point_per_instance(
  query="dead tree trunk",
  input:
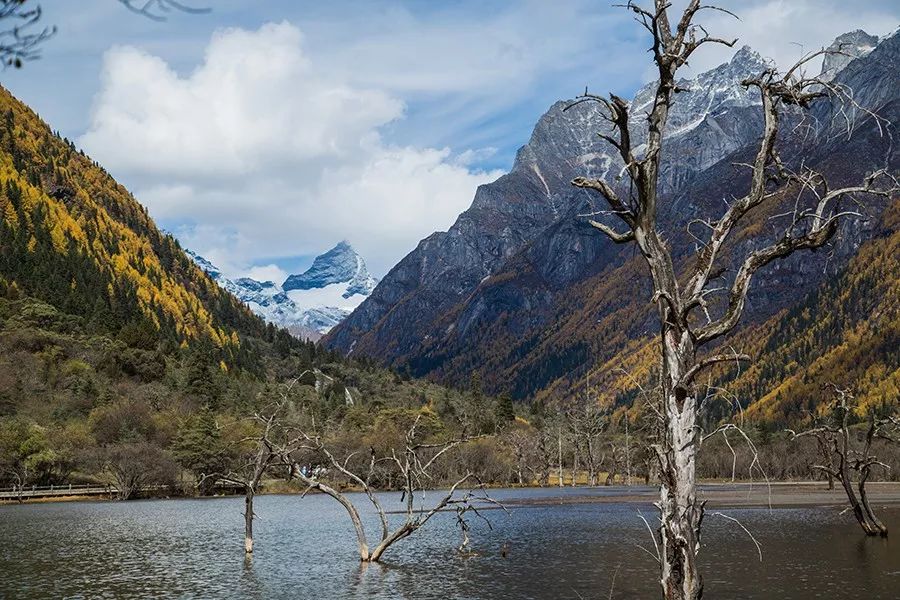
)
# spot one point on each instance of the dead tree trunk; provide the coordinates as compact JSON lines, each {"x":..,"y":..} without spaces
{"x":574,"y":464}
{"x":615,"y":461}
{"x":836,"y":439}
{"x":249,"y":475}
{"x":413,"y":466}
{"x":592,"y":466}
{"x":248,"y":521}
{"x":828,"y":461}
{"x":634,"y":207}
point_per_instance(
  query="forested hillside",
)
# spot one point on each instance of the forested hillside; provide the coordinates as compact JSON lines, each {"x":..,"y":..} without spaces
{"x":66,"y":220}
{"x":121,"y":360}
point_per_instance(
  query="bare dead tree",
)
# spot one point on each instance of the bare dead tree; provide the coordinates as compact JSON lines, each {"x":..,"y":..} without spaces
{"x":414,"y":464}
{"x":519,"y":440}
{"x":533,"y":451}
{"x":263,"y":453}
{"x":276,"y":435}
{"x":836,"y":438}
{"x":19,"y":478}
{"x":811,"y":224}
{"x":249,"y":475}
{"x":616,"y":458}
{"x":158,"y":10}
{"x":587,"y":421}
{"x":21,"y":41}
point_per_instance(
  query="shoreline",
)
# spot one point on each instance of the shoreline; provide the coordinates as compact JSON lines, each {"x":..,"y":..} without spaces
{"x":732,"y":495}
{"x":782,"y":494}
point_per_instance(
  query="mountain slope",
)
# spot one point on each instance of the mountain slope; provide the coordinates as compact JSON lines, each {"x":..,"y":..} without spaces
{"x":565,"y":300}
{"x":73,"y":237}
{"x":411,"y":303}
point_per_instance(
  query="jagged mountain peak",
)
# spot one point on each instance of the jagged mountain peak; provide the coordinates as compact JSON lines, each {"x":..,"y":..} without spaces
{"x":492,"y":289}
{"x":341,"y":264}
{"x":336,"y":283}
{"x":569,"y":128}
{"x":846,"y":48}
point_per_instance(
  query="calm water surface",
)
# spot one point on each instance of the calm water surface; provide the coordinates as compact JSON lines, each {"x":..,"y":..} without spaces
{"x":306,"y":549}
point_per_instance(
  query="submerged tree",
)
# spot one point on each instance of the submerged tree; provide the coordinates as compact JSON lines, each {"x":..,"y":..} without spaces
{"x":273,"y":434}
{"x":810,"y":224}
{"x":586,"y":422}
{"x":413,"y":464}
{"x":842,"y":457}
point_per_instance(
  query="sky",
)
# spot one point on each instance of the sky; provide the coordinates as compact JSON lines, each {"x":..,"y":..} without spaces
{"x":264,"y":132}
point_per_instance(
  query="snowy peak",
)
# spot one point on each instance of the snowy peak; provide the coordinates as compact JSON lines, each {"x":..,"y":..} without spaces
{"x":705,"y":124}
{"x":846,"y":47}
{"x":341,"y":264}
{"x":710,"y":92}
{"x":310,"y":304}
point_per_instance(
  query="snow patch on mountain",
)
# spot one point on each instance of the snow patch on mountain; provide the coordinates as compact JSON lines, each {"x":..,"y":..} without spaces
{"x":710,"y":92}
{"x":307,"y":304}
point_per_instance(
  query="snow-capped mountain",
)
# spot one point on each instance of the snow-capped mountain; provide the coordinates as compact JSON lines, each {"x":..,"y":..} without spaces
{"x":339,"y":266}
{"x":847,"y":48}
{"x":307,"y":304}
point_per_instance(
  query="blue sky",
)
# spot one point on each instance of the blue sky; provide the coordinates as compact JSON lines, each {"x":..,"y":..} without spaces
{"x":264,"y":132}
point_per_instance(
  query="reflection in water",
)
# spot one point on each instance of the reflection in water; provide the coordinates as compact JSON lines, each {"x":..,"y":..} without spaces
{"x":306,"y":549}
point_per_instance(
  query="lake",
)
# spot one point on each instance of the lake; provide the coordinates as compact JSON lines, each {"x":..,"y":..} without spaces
{"x":306,"y":549}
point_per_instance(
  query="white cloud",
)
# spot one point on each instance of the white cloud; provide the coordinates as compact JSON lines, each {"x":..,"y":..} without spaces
{"x":279,"y":143}
{"x":784,"y":30}
{"x":262,"y":153}
{"x":268,"y":273}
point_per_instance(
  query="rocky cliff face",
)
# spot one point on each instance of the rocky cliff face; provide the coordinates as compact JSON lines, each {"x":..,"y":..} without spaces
{"x":845,"y":49}
{"x":511,"y":212}
{"x":523,"y":291}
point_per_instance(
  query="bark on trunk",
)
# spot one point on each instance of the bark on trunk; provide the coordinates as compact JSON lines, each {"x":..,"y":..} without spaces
{"x":681,"y":513}
{"x":877,"y":525}
{"x":575,"y":466}
{"x":248,"y":522}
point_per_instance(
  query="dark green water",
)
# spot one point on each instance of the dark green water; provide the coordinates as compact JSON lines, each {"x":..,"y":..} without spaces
{"x":305,"y":549}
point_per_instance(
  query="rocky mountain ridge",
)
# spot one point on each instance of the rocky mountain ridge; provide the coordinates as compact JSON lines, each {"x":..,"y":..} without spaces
{"x":521,"y":289}
{"x":509,"y":213}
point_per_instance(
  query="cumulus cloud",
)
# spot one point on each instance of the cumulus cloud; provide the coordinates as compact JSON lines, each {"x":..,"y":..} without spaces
{"x":258,"y":152}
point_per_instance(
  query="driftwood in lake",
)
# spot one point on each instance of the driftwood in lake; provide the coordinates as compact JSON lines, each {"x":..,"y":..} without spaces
{"x":843,"y":457}
{"x":632,"y":217}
